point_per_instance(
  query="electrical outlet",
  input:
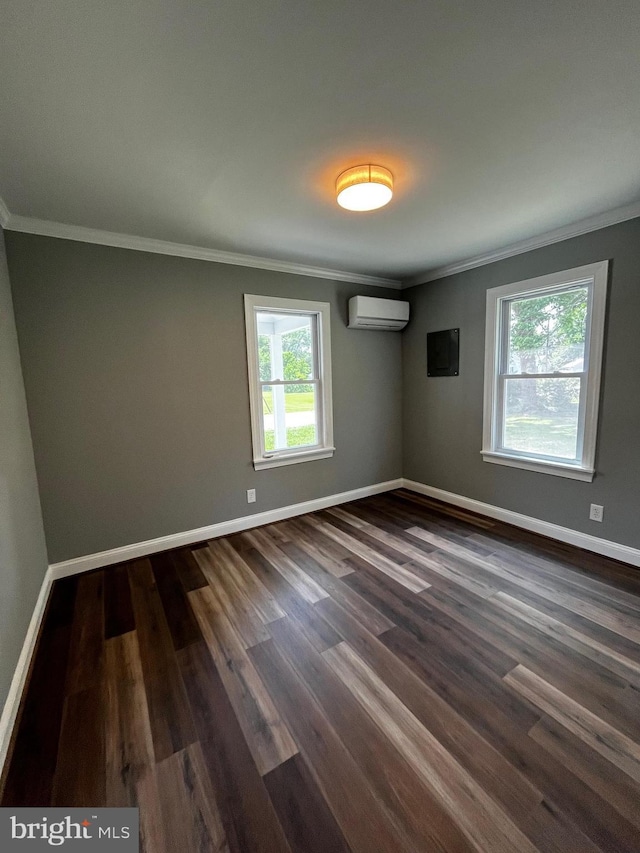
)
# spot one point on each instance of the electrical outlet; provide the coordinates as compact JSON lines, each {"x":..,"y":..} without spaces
{"x":596,"y":512}
{"x":251,"y":496}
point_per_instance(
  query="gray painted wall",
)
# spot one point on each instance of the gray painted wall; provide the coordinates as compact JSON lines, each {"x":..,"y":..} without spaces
{"x":443,"y":416}
{"x":136,"y":380}
{"x":23,"y":557}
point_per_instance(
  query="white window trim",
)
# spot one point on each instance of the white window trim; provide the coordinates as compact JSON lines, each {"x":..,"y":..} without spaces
{"x":584,"y":469}
{"x":322,"y":312}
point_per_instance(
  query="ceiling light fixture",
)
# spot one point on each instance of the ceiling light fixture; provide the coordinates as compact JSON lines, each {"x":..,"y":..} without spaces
{"x":364,"y":187}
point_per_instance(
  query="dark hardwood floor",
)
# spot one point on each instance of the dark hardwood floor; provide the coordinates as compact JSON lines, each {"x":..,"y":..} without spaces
{"x":387,"y":675}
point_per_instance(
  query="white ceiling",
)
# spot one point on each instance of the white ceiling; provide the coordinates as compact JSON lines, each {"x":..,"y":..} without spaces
{"x":224,"y":123}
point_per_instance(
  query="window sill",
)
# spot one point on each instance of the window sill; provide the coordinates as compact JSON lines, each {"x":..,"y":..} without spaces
{"x":279,"y":459}
{"x":557,"y":469}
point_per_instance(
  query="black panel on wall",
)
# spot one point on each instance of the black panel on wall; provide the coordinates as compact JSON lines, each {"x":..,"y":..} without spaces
{"x":443,"y":353}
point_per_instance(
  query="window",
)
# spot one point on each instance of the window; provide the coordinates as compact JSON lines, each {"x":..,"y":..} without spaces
{"x":289,"y":360}
{"x":542,"y":371}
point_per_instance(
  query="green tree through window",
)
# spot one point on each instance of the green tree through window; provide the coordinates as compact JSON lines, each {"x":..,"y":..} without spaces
{"x":546,"y":335}
{"x":542,"y":371}
{"x":297,"y":358}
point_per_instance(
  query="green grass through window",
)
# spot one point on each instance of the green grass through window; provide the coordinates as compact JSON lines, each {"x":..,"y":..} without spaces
{"x":296,"y":437}
{"x":551,"y":436}
{"x":292,"y":402}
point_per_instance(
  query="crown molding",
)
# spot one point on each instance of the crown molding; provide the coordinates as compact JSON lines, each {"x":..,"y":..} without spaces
{"x":47,"y":228}
{"x":4,"y":214}
{"x":584,"y":226}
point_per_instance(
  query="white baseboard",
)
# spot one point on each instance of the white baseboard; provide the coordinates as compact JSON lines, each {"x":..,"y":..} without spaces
{"x":12,"y":704}
{"x":624,"y":553}
{"x":212,"y":531}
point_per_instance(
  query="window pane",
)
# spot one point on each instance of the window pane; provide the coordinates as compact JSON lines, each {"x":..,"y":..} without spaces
{"x":547,"y":333}
{"x":289,"y":416}
{"x":285,"y":346}
{"x":541,"y":416}
{"x":264,"y":357}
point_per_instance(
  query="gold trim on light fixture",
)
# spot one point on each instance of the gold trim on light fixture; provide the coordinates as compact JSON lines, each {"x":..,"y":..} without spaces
{"x":366,"y":187}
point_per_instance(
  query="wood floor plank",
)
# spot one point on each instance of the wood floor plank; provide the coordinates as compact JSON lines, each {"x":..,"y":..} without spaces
{"x":580,"y":623}
{"x":509,"y":630}
{"x":171,"y":723}
{"x":337,"y":589}
{"x":398,"y":522}
{"x":498,"y":777}
{"x":603,"y":777}
{"x":504,"y":630}
{"x":390,"y":524}
{"x":301,"y":582}
{"x":129,"y":742}
{"x":446,"y":513}
{"x":407,"y":801}
{"x":441,"y":564}
{"x":130,"y":778}
{"x":61,"y":606}
{"x":304,"y":814}
{"x":399,"y":503}
{"x":506,"y":725}
{"x":567,"y":574}
{"x":405,"y":513}
{"x":227,"y":601}
{"x":328,"y":553}
{"x":617,"y":619}
{"x":396,"y":571}
{"x":118,"y":610}
{"x":248,"y":817}
{"x":356,"y":529}
{"x":410,"y":513}
{"x":589,"y":683}
{"x":550,"y":830}
{"x":241,"y":580}
{"x":362,"y":819}
{"x":585,"y":645}
{"x":182,"y":625}
{"x":190,"y":817}
{"x":616,"y":747}
{"x":314,"y":627}
{"x":319,"y":632}
{"x":403,"y":546}
{"x":188,"y":570}
{"x":267,"y":736}
{"x":482,"y":821}
{"x":472,"y":691}
{"x":279,"y":587}
{"x":428,"y":624}
{"x":87,"y":636}
{"x":80,"y":778}
{"x":496,"y":565}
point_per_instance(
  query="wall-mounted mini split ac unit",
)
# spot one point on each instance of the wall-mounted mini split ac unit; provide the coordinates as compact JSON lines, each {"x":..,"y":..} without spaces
{"x":382,"y":315}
